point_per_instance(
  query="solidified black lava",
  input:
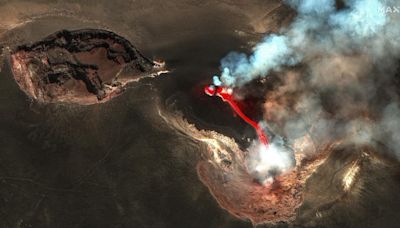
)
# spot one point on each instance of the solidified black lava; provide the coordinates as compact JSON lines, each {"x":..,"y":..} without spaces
{"x":83,"y":66}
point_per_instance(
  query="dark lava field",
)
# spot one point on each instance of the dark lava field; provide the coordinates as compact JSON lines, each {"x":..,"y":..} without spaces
{"x":120,"y":163}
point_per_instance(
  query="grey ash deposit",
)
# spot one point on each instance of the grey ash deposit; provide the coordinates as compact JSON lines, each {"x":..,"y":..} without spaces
{"x":83,"y":66}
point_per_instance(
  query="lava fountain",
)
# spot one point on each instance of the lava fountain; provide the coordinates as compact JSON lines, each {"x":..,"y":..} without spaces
{"x":264,"y":183}
{"x":225,"y":93}
{"x":267,"y":159}
{"x":226,"y":171}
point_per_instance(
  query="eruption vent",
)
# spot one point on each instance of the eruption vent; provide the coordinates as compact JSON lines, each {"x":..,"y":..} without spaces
{"x":334,"y":84}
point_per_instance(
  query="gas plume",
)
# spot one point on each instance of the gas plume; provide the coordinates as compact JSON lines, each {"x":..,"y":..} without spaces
{"x":336,"y":66}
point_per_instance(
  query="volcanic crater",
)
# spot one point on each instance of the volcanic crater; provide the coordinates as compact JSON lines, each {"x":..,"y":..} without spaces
{"x":85,"y":66}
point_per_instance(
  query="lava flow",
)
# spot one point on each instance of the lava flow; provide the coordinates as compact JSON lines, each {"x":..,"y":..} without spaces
{"x":226,"y":95}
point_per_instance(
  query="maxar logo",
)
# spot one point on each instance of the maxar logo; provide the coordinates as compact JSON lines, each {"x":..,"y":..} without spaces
{"x":390,"y":9}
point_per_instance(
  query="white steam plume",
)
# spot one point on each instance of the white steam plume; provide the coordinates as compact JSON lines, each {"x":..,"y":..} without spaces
{"x":362,"y":26}
{"x":346,"y":86}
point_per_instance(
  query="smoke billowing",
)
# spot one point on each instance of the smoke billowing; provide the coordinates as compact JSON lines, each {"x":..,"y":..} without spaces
{"x":337,"y":67}
{"x":319,"y":29}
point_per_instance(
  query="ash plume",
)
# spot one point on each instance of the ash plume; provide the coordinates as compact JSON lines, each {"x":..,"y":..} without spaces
{"x":337,"y":67}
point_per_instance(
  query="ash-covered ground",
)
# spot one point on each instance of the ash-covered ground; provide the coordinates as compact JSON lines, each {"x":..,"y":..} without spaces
{"x":133,"y":161}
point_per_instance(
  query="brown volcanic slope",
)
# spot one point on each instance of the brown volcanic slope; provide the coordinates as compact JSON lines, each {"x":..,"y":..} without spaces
{"x":83,"y":66}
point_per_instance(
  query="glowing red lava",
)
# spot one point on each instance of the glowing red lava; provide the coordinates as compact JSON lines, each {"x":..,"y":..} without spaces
{"x":225,"y":94}
{"x":226,"y":174}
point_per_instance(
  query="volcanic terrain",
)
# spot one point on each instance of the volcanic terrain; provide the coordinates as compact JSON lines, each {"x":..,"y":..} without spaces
{"x":83,"y":66}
